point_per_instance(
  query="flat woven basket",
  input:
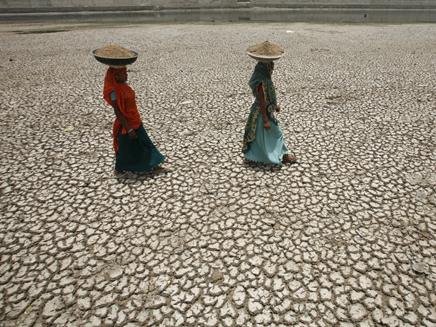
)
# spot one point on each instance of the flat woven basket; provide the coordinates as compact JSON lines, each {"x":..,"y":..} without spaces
{"x":264,"y":58}
{"x":116,"y":62}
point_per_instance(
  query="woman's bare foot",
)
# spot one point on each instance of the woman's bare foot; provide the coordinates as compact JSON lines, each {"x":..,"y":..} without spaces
{"x":160,"y":170}
{"x":290,"y":159}
{"x":120,"y":174}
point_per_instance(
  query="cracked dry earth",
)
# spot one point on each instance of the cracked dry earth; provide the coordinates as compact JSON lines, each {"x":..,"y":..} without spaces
{"x":346,"y":237}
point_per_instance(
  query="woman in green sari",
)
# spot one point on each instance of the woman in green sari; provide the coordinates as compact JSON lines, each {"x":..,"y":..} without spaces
{"x":263,"y":138}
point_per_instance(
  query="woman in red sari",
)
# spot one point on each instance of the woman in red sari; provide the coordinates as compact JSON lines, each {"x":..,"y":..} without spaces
{"x":134,"y":150}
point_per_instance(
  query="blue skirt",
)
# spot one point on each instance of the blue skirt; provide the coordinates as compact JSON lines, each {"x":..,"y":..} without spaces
{"x":137,"y":155}
{"x":268,"y":145}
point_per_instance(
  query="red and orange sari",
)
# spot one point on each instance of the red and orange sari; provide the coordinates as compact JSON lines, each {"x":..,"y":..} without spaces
{"x":126,"y":101}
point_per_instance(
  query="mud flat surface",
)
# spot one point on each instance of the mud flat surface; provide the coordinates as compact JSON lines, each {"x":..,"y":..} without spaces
{"x":346,"y":237}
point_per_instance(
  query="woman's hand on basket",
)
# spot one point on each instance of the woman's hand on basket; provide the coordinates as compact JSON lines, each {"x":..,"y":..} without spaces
{"x":278,"y":109}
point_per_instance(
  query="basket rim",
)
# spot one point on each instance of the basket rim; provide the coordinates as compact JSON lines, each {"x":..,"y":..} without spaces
{"x":135,"y":56}
{"x":255,"y":56}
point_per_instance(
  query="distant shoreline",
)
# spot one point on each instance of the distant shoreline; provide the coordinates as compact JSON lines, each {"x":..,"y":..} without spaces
{"x":327,"y":15}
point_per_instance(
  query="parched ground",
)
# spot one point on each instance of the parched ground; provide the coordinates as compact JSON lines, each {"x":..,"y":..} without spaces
{"x":346,"y":237}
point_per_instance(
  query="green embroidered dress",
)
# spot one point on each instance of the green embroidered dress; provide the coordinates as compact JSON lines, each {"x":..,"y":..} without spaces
{"x":260,"y":144}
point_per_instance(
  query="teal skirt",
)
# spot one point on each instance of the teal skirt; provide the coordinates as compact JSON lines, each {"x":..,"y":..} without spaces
{"x":268,"y":145}
{"x":137,"y":155}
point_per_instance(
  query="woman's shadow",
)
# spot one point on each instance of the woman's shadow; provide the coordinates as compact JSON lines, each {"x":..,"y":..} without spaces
{"x":263,"y":167}
{"x":137,"y":178}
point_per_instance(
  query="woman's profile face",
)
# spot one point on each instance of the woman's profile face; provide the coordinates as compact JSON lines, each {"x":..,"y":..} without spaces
{"x":121,"y":78}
